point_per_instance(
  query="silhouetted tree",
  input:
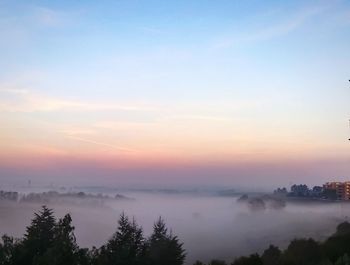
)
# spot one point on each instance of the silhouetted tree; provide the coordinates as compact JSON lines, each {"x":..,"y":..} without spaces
{"x":45,"y":242}
{"x":84,"y":256}
{"x":302,"y":252}
{"x":126,"y":247}
{"x":64,"y":250}
{"x":253,"y":259}
{"x":343,"y":229}
{"x":164,"y":248}
{"x":7,"y":250}
{"x":51,"y":242}
{"x":301,"y":190}
{"x":198,"y":263}
{"x":39,"y":237}
{"x":217,"y":262}
{"x":339,"y":243}
{"x":271,"y":256}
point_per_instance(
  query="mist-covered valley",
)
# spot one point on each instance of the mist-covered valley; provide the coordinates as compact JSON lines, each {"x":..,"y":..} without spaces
{"x":210,"y":225}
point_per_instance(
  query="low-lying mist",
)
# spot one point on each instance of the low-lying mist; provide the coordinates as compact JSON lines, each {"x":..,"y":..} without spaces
{"x":210,"y":226}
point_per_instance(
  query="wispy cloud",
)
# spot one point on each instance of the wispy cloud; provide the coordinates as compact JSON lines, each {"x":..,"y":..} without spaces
{"x":25,"y":101}
{"x":90,"y":141}
{"x":16,"y":91}
{"x":21,"y":29}
{"x":280,"y":28}
{"x":73,"y":131}
{"x":199,"y":118}
{"x":50,"y":17}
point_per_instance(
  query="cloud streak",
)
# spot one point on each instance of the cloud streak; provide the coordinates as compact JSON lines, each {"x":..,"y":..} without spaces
{"x":25,"y":101}
{"x":114,"y":147}
{"x":50,"y":17}
{"x":276,"y":30}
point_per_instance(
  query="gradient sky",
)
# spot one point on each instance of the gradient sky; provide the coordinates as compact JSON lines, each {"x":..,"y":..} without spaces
{"x":174,"y":92}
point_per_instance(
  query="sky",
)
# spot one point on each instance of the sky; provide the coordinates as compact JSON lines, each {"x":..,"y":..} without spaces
{"x":187,"y":93}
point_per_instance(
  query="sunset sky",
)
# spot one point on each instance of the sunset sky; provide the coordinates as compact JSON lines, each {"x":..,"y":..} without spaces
{"x":138,"y":93}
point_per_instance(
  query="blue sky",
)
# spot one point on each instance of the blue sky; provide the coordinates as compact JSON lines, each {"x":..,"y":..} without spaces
{"x":205,"y":80}
{"x":176,"y":47}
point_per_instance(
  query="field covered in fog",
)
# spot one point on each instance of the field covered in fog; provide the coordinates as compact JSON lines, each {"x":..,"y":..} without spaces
{"x":210,"y":226}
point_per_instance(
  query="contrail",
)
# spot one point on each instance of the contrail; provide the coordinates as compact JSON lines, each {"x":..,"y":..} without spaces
{"x":101,"y":143}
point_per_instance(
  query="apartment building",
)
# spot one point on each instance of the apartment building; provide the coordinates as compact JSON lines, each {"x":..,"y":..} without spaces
{"x":342,"y":189}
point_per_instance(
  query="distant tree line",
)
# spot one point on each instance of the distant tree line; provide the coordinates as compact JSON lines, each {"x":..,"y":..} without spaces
{"x":56,"y":197}
{"x":49,"y":241}
{"x":9,"y":195}
{"x":303,"y":191}
{"x":334,"y":251}
{"x":262,"y":202}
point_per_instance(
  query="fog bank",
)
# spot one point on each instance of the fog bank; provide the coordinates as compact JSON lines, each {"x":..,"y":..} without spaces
{"x":210,"y":226}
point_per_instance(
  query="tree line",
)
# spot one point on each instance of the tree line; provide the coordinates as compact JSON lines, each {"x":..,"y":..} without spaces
{"x":54,"y":196}
{"x":48,"y":241}
{"x":333,"y":251}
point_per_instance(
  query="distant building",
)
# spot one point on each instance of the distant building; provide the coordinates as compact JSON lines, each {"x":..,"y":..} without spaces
{"x":341,"y":189}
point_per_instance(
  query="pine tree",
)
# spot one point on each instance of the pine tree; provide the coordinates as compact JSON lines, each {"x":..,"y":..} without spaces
{"x":64,"y":250}
{"x":164,"y":248}
{"x":39,"y":236}
{"x":271,"y":256}
{"x":7,"y":250}
{"x":126,"y":247}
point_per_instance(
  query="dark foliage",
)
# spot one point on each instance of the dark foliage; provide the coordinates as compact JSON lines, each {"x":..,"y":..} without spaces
{"x":251,"y":260}
{"x":126,"y":247}
{"x":271,"y":256}
{"x":302,"y":252}
{"x":339,"y":243}
{"x":217,"y":262}
{"x":164,"y":247}
{"x":334,"y":251}
{"x":52,"y":242}
{"x":49,"y":241}
{"x":198,"y":263}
